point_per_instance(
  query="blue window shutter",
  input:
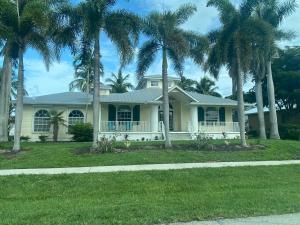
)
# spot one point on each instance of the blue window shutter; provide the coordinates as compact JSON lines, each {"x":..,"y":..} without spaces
{"x":112,"y":113}
{"x":222,"y":116}
{"x":136,"y":113}
{"x":200,"y":114}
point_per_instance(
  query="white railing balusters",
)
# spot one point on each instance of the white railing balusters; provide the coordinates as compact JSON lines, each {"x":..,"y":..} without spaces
{"x":125,"y":126}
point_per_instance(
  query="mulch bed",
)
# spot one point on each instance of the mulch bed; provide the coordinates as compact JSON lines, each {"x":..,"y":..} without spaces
{"x":177,"y":147}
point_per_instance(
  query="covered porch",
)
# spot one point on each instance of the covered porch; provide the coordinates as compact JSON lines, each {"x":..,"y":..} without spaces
{"x":187,"y":118}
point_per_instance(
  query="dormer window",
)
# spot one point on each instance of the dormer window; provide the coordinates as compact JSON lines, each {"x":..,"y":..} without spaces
{"x":154,"y":83}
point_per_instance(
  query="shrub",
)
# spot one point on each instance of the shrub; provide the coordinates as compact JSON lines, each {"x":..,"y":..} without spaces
{"x":202,"y":141}
{"x":289,"y":131}
{"x":106,"y":145}
{"x":82,"y":132}
{"x":43,"y":138}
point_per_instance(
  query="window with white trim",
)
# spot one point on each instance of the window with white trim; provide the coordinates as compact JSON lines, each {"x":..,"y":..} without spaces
{"x":124,"y":113}
{"x":154,"y":83}
{"x":212,"y":114}
{"x":76,"y":117}
{"x":41,"y":121}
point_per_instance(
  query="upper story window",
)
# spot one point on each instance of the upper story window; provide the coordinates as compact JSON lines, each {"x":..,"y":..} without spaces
{"x":212,"y":114}
{"x":41,"y":121}
{"x":76,"y":117}
{"x":154,"y":83}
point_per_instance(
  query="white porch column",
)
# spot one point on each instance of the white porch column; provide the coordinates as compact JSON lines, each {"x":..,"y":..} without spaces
{"x":194,"y":118}
{"x":154,"y":118}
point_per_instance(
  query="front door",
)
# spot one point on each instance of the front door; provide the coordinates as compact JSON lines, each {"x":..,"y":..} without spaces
{"x":171,"y":117}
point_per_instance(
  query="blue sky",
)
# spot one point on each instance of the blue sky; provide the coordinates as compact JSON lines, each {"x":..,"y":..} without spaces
{"x":38,"y":81}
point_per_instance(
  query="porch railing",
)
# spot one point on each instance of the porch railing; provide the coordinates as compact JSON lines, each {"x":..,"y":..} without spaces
{"x":219,"y":127}
{"x":125,"y":126}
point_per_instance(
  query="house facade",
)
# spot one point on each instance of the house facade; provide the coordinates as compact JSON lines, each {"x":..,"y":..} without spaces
{"x":137,"y":114}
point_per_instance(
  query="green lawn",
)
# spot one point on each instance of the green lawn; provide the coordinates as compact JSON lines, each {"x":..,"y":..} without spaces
{"x":138,"y":198}
{"x":39,"y":155}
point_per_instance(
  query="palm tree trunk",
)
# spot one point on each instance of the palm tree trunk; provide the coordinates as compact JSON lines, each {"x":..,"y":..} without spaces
{"x":96,"y":96}
{"x":55,"y":132}
{"x":240,"y":97}
{"x":19,"y":102}
{"x":260,"y":109}
{"x":274,"y":134}
{"x":5,"y":96}
{"x":234,"y":88}
{"x":166,"y":99}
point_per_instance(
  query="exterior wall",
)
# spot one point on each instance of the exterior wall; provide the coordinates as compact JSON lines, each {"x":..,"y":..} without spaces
{"x":28,"y":121}
{"x":181,"y":120}
{"x":160,"y":84}
{"x":104,"y":92}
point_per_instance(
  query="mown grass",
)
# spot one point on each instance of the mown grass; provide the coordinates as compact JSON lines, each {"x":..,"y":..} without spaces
{"x":43,"y":155}
{"x":139,"y":198}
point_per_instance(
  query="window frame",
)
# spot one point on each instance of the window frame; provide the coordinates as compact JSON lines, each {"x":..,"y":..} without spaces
{"x":154,"y":81}
{"x":71,"y":118}
{"x":216,"y":118}
{"x":43,"y":131}
{"x":129,"y":113}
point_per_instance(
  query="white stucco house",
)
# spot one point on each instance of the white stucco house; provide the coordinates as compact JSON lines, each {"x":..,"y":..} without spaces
{"x":137,"y":113}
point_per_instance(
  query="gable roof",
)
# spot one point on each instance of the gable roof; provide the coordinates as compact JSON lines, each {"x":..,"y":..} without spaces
{"x":142,"y":96}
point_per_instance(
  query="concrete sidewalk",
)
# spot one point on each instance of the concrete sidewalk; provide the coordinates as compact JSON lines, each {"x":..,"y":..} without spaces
{"x":150,"y":167}
{"x":288,"y":219}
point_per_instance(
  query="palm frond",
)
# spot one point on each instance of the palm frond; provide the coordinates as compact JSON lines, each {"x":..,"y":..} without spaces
{"x":184,"y":13}
{"x":146,"y":56}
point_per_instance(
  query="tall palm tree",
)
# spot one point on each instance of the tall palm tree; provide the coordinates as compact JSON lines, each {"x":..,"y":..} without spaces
{"x":121,"y":27}
{"x":207,"y":86}
{"x":167,"y":37}
{"x":273,"y":12}
{"x":30,"y":30}
{"x":119,"y":82}
{"x":6,"y":46}
{"x":258,"y":70}
{"x":84,"y":69}
{"x":233,"y":46}
{"x":55,"y":120}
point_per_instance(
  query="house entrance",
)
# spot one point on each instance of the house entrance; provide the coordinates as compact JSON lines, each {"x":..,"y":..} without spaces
{"x":171,"y":116}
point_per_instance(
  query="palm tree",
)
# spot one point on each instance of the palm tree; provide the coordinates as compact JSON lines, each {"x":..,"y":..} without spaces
{"x":84,"y":69}
{"x":187,"y":84}
{"x":119,"y":82}
{"x":207,"y":86}
{"x":6,"y":43}
{"x":30,"y":30}
{"x":56,"y":119}
{"x":233,"y":46}
{"x":166,"y":36}
{"x":121,"y":27}
{"x":273,"y":12}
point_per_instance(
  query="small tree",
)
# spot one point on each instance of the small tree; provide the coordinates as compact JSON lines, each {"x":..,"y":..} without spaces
{"x":56,"y":119}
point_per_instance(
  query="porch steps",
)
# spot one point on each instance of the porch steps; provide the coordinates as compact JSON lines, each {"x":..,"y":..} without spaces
{"x":176,"y":136}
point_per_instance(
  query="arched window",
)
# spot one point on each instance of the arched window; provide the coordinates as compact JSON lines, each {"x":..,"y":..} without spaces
{"x":124,"y":113}
{"x":41,"y":121}
{"x":75,"y":117}
{"x":212,"y":114}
